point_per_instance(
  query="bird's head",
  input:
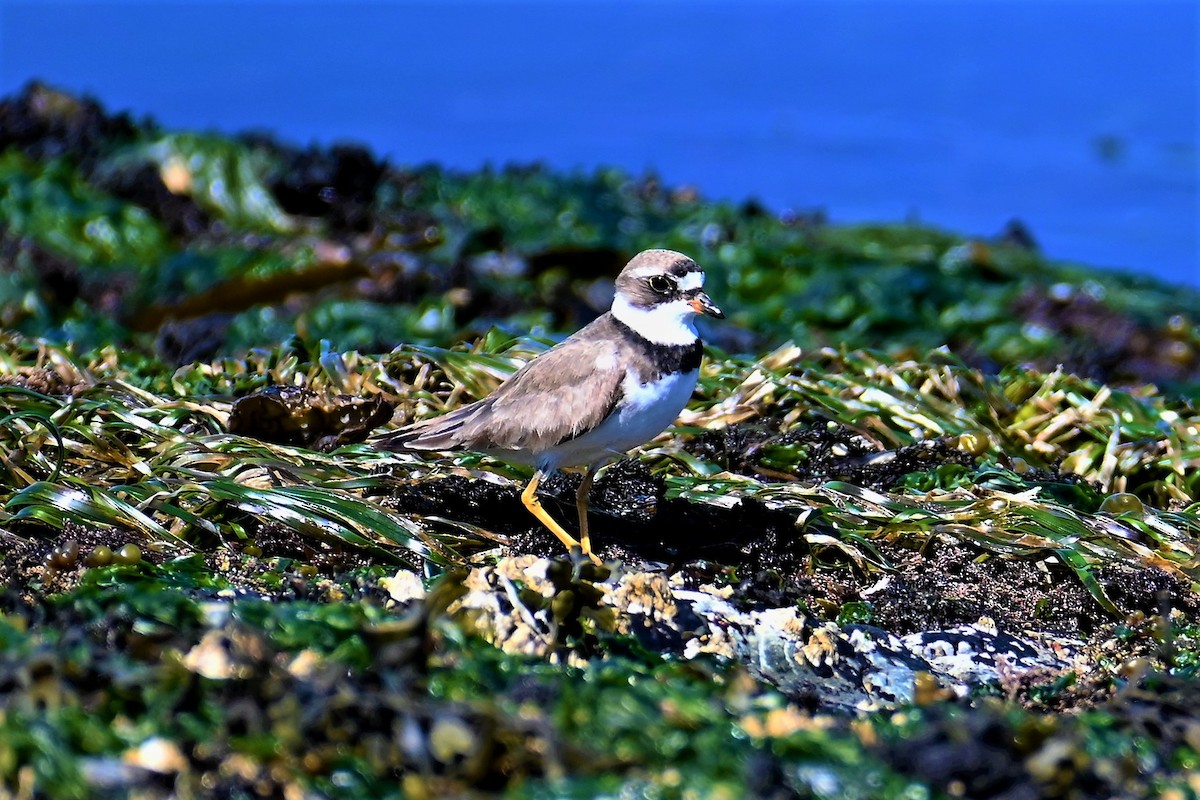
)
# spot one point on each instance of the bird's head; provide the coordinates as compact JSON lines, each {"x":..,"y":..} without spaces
{"x":659,"y":293}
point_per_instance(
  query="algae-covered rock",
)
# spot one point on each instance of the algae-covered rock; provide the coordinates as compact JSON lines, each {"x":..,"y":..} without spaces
{"x":201,"y":224}
{"x":928,"y":526}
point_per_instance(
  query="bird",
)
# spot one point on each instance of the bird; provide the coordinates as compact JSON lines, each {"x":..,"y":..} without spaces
{"x":611,"y":386}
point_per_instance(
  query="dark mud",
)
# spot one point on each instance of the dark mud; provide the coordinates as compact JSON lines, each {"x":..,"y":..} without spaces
{"x":629,"y":519}
{"x":313,"y":556}
{"x":52,"y":561}
{"x":820,"y":452}
{"x":950,"y":583}
{"x":276,"y":563}
{"x":940,"y":584}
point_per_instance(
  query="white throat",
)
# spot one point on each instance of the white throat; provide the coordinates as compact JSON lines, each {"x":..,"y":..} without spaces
{"x":665,"y":323}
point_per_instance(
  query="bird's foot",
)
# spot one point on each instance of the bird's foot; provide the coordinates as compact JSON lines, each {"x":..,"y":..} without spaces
{"x":578,"y":554}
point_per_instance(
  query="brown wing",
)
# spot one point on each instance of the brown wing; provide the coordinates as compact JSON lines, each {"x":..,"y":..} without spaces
{"x":561,"y":394}
{"x":430,"y":434}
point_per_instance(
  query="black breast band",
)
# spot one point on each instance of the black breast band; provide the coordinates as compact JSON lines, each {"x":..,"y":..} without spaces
{"x":665,"y":359}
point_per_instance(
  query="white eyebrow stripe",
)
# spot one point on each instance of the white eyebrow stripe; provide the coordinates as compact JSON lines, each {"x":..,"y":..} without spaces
{"x":692,"y":280}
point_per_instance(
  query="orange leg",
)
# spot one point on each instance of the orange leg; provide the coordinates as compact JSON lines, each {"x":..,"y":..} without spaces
{"x":581,"y":505}
{"x":530,"y":499}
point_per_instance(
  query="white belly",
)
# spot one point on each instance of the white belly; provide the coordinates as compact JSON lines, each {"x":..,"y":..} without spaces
{"x":645,"y":411}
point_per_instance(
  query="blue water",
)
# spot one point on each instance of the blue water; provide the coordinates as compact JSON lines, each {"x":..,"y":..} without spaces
{"x":1078,"y":118}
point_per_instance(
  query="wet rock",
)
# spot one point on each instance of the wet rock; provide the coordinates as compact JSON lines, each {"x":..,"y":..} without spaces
{"x":338,"y":185}
{"x":143,"y":184}
{"x":1109,"y":346}
{"x":46,"y":123}
{"x":198,"y":339}
{"x":819,"y":663}
{"x":1017,"y":234}
{"x":978,"y":654}
{"x":857,"y":667}
{"x":296,"y":416}
{"x":516,"y":604}
{"x":404,"y":587}
{"x":157,"y":754}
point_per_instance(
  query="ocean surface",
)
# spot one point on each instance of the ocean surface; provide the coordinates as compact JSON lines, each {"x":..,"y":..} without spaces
{"x":1078,"y":118}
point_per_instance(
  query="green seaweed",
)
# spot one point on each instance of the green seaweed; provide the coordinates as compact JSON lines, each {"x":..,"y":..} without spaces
{"x":55,"y":206}
{"x":252,"y":645}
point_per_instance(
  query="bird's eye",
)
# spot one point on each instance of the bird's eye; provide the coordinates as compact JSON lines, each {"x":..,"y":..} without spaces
{"x":661,"y":284}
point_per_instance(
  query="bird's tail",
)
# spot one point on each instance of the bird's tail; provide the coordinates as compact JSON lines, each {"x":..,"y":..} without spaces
{"x":440,"y":433}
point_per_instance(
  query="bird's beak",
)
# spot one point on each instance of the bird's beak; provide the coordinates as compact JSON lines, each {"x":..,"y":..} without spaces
{"x":703,"y":304}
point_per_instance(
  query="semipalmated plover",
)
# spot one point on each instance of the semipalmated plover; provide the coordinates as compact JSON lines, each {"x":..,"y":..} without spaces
{"x":613,"y":385}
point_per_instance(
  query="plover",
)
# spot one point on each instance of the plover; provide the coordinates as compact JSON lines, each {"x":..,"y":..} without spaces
{"x":611,"y":386}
